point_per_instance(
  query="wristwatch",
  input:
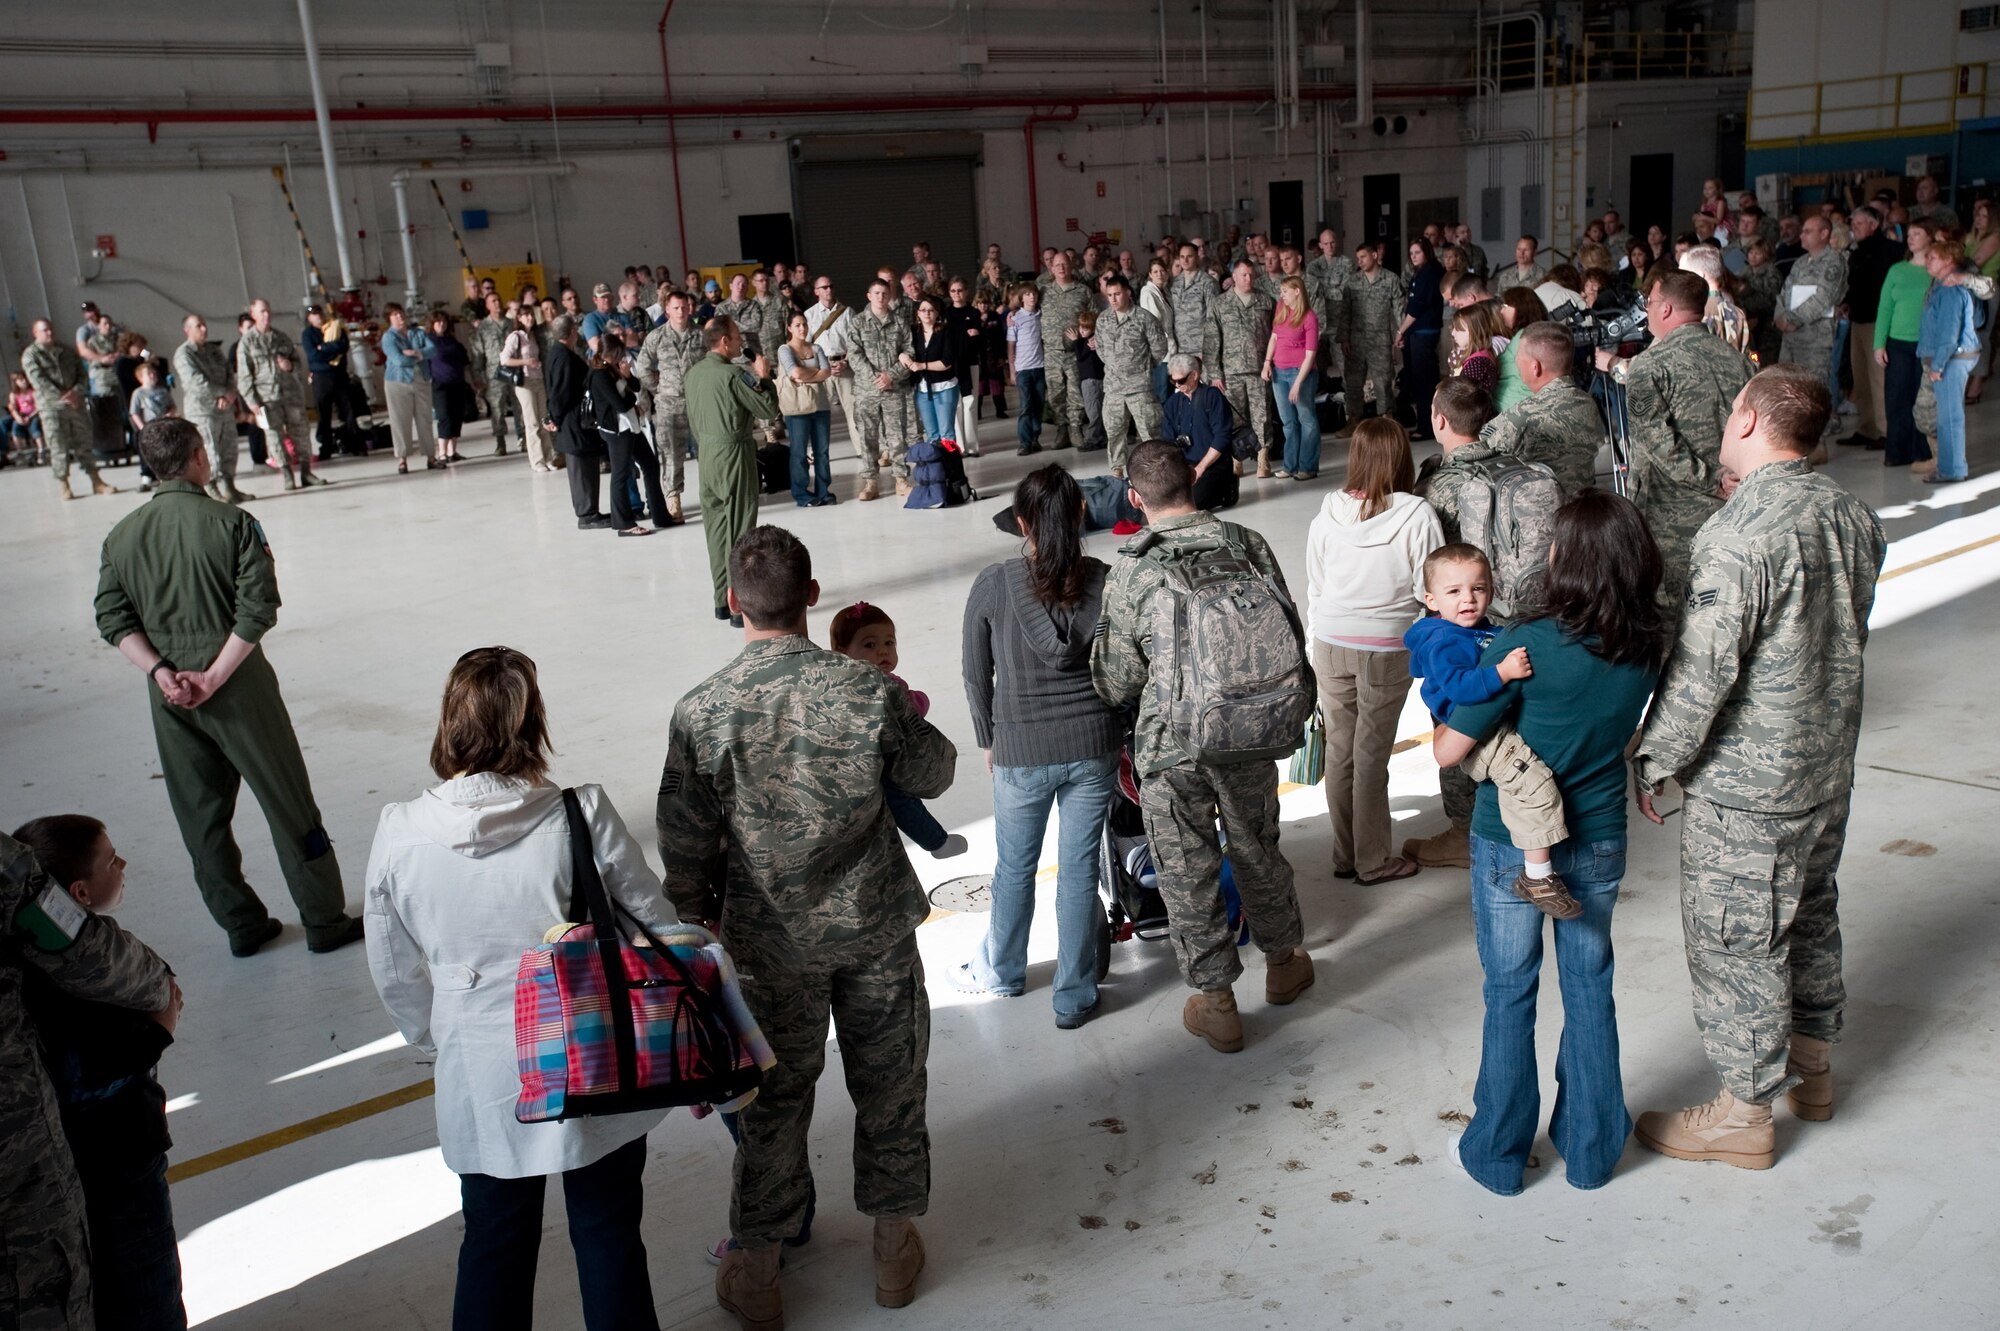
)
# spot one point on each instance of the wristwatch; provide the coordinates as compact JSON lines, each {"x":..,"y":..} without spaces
{"x":163,"y":661}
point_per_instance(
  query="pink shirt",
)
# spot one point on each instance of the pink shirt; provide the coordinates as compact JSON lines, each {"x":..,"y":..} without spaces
{"x":1291,"y":342}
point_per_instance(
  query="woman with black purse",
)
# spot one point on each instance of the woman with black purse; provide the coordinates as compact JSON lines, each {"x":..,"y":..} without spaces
{"x":613,"y":395}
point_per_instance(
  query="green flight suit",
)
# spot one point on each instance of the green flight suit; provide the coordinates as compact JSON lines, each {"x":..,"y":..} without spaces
{"x":188,"y":572}
{"x":722,"y":405}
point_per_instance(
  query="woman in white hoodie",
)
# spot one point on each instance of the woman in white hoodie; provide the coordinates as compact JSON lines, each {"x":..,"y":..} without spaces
{"x":461,"y":881}
{"x":1364,"y":586}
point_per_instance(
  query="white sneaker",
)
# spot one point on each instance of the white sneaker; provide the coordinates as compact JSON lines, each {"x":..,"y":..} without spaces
{"x":954,"y":845}
{"x":1451,"y":1149}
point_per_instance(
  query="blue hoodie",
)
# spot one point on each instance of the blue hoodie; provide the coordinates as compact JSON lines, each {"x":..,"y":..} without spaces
{"x":1446,"y":657}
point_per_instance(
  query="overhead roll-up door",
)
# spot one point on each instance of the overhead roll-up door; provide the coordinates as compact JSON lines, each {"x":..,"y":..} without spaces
{"x":855,"y":216}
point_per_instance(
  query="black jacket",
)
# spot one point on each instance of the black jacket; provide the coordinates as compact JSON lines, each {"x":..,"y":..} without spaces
{"x":1868,"y":265}
{"x":100,"y":1059}
{"x":609,"y":395}
{"x":565,"y":375}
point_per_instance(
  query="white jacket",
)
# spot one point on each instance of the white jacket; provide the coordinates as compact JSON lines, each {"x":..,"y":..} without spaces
{"x":461,"y":881}
{"x":1365,"y":579}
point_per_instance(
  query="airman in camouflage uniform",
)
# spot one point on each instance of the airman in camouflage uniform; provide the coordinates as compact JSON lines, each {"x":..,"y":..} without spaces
{"x":1130,"y":343}
{"x":1333,"y":272}
{"x":818,"y":904}
{"x":1757,"y":716}
{"x":1062,"y":301}
{"x":45,"y":1280}
{"x":769,"y":314}
{"x":208,"y":400}
{"x":1678,"y":393}
{"x":1523,"y":272}
{"x":1182,"y":799}
{"x":489,"y":339}
{"x":1558,"y":425}
{"x":1239,"y":332}
{"x":1808,"y":324}
{"x":876,"y":342}
{"x":1191,"y":295}
{"x":1374,"y":312}
{"x":270,"y":376}
{"x":55,"y":372}
{"x":662,"y":364}
{"x":1761,"y":285}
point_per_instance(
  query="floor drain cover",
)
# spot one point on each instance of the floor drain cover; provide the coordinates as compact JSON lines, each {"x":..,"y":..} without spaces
{"x":966,"y":896}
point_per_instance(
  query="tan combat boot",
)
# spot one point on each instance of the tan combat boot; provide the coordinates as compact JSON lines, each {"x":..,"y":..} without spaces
{"x":1449,"y":849}
{"x":869,"y":490}
{"x":903,"y":488}
{"x":1811,"y":1099}
{"x":1286,"y":975}
{"x":899,"y":1260}
{"x":62,"y":488}
{"x":674,"y":508}
{"x":747,"y":1288}
{"x":1724,"y":1129}
{"x":1211,"y":1014}
{"x":233,"y":494}
{"x":1263,"y":464}
{"x":100,"y":486}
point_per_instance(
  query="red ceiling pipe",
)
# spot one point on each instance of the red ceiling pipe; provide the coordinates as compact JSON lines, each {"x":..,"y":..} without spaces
{"x":673,"y":137}
{"x":1034,"y":214}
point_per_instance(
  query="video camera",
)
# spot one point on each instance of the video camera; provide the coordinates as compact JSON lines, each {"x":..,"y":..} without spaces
{"x":1607,"y":325}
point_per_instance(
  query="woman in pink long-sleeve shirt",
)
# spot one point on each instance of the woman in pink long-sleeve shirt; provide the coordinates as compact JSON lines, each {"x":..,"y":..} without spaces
{"x":1288,"y":368}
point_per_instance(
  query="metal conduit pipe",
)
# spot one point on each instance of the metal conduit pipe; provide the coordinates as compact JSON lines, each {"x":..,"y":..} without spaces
{"x":1034,"y":208}
{"x":326,"y":147}
{"x":399,"y":183}
{"x":673,"y":137}
{"x":1364,"y":82}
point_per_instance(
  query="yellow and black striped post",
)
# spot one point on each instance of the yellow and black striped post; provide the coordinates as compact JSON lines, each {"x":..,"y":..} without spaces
{"x":312,"y":263}
{"x":464,"y":259}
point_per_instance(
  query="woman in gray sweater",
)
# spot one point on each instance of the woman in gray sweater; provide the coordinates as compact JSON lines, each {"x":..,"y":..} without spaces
{"x":1048,"y":741}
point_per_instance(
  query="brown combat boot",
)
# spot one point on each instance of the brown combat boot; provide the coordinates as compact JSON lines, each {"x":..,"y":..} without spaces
{"x":1811,"y":1099}
{"x":747,"y":1288}
{"x":899,"y":1260}
{"x":1449,"y":849}
{"x":1286,"y":975}
{"x":1211,"y":1014}
{"x":869,"y":490}
{"x":903,"y":488}
{"x":62,"y":488}
{"x":674,"y":508}
{"x":1724,"y":1129}
{"x":100,"y":486}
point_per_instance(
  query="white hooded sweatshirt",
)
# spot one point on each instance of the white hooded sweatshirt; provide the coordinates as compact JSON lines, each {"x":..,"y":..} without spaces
{"x":1365,"y":579}
{"x":461,"y":881}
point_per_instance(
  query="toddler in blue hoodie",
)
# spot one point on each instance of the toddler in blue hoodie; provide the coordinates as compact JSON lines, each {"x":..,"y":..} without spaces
{"x":1444,"y":653}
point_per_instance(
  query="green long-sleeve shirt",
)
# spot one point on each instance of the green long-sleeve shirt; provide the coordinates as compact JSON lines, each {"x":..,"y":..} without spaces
{"x":188,"y":572}
{"x":1902,"y":307}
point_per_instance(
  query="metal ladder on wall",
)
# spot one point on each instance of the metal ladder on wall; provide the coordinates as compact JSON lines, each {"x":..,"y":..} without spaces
{"x":1567,"y":111}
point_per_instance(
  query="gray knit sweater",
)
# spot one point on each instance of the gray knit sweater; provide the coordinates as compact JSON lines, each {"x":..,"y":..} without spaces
{"x":1027,"y":671}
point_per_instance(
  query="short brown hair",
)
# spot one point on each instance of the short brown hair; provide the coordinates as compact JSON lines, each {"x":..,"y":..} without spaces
{"x":717,"y":331}
{"x":1550,"y":343}
{"x":62,"y":843}
{"x":1951,"y":251}
{"x":1688,"y":291}
{"x":1159,"y":472}
{"x":1379,"y":464}
{"x":851,"y":619}
{"x":1455,"y":552}
{"x":168,"y":445}
{"x":770,"y":570}
{"x":491,"y":719}
{"x":1465,"y":406}
{"x":1792,"y":405}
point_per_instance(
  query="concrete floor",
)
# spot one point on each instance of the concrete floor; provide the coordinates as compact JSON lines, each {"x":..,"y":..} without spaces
{"x":1116,"y":1176}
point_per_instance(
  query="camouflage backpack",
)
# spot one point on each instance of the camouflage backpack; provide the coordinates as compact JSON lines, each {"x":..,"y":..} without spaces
{"x":1228,"y":662}
{"x":1509,"y":511}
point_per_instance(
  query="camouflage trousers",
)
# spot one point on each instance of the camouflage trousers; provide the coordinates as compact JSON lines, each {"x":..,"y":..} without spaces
{"x":882,"y":1016}
{"x":500,"y":404}
{"x":284,"y":419}
{"x":1810,"y":346}
{"x":219,"y":440}
{"x":45,"y":1281}
{"x":1181,"y":805}
{"x":1249,"y":399}
{"x":1063,"y":404}
{"x":1372,"y":364}
{"x":1675,"y":514}
{"x":1126,"y":412}
{"x":1760,"y":909}
{"x":1457,"y":792}
{"x":670,"y":440}
{"x":888,"y":422}
{"x":66,"y":434}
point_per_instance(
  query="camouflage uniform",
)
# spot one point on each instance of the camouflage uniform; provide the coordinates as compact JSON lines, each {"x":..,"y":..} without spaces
{"x":1233,"y":353}
{"x":52,"y":371}
{"x":1476,"y":261}
{"x":773,"y":786}
{"x":744,"y":312}
{"x":1757,"y":715}
{"x":1181,"y":798}
{"x":203,"y":375}
{"x":489,"y":337}
{"x":1760,"y":304}
{"x":1558,"y":426}
{"x":1514,"y":275}
{"x":1810,"y":341}
{"x":1679,"y":391}
{"x":1725,"y":319}
{"x":1130,"y":345}
{"x":1374,"y":311}
{"x":1192,"y":299}
{"x":1060,"y":308}
{"x":45,"y":1280}
{"x":662,"y":365}
{"x":1332,"y":278}
{"x":280,"y":393}
{"x":769,"y":316}
{"x":887,"y":416}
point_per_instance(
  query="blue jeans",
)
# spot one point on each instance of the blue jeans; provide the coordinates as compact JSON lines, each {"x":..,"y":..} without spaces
{"x":1840,"y":329}
{"x":503,"y":1235}
{"x":1299,"y":420}
{"x":939,"y":413}
{"x":913,"y":820}
{"x":1021,"y":800}
{"x":1162,"y":385}
{"x":1950,"y":392}
{"x":135,"y":1262}
{"x":1034,"y":389}
{"x":808,"y":436}
{"x":1589,"y":1124}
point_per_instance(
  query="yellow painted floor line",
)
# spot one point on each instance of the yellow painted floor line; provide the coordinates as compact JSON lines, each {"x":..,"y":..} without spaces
{"x":298,"y":1132}
{"x":1938,"y":559}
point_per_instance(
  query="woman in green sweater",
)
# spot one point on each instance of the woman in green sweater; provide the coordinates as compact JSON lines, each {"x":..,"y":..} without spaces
{"x":1896,"y":326}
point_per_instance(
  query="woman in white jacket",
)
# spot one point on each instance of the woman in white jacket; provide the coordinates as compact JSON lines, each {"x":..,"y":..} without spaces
{"x":461,"y":881}
{"x":1364,"y":586}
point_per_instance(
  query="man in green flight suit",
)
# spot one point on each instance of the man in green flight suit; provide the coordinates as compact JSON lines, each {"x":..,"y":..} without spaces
{"x":723,"y":401}
{"x":186,"y":591}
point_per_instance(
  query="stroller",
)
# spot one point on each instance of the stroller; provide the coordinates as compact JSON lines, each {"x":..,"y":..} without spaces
{"x":1126,"y":880}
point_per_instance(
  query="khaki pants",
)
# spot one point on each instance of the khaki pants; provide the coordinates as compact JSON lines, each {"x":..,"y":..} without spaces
{"x":1360,"y":697}
{"x":1870,"y":406}
{"x":532,"y":398}
{"x":1531,"y":804}
{"x":410,"y":427}
{"x":843,"y":393}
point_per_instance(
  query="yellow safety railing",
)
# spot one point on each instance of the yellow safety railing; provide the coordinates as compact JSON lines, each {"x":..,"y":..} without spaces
{"x":1616,"y":57}
{"x":1926,"y":101}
